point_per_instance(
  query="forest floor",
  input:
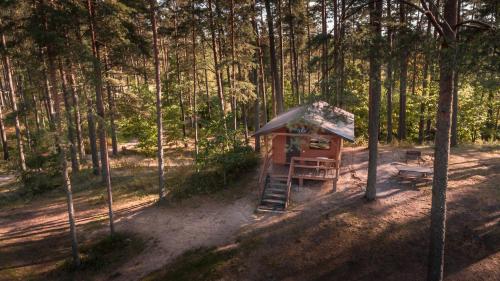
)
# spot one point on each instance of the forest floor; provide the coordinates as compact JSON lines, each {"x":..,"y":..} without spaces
{"x":324,"y":236}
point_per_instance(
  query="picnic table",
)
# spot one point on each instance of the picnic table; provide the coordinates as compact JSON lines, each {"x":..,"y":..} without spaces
{"x":415,"y":171}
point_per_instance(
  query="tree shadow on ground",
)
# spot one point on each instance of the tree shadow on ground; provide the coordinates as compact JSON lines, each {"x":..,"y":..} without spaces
{"x":49,"y":242}
{"x":349,"y":239}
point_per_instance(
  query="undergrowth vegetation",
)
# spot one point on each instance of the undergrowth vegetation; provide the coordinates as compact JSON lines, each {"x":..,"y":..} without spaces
{"x":213,"y":171}
{"x":195,"y":265}
{"x":100,"y":256}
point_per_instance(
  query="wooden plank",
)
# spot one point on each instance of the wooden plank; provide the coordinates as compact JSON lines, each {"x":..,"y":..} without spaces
{"x":273,"y":201}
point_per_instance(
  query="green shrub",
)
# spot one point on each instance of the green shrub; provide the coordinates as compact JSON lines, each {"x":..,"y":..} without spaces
{"x":214,"y":173}
{"x":43,"y":173}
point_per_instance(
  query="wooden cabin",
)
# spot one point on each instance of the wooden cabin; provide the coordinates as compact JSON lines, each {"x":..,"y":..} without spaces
{"x":304,"y":143}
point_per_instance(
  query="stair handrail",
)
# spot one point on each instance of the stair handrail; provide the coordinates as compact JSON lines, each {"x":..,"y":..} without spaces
{"x":262,"y":184}
{"x":289,"y":180}
{"x":267,"y":159}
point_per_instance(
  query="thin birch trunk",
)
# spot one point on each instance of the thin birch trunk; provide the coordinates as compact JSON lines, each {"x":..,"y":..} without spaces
{"x":159,"y":120}
{"x":103,"y":145}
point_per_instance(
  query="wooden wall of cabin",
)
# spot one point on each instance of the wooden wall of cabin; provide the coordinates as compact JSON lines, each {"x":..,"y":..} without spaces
{"x":279,"y":146}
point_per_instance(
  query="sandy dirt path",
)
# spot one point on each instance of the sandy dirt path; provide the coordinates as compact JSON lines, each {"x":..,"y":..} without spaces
{"x":172,"y":230}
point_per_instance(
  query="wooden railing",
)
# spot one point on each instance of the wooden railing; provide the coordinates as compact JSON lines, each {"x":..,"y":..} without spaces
{"x":263,"y":171}
{"x":319,"y":163}
{"x":289,"y":181}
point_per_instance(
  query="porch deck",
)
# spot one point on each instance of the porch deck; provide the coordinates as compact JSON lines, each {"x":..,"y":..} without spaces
{"x":306,"y":168}
{"x":313,"y":173}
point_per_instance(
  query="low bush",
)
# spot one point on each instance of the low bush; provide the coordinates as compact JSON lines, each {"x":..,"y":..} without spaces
{"x":43,"y":173}
{"x":214,"y":172}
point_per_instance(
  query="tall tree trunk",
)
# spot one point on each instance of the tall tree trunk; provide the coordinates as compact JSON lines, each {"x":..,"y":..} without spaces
{"x":103,"y":145}
{"x":38,"y":113}
{"x":389,"y":81}
{"x":374,"y":98}
{"x":195,"y":76}
{"x":48,"y":97}
{"x":178,"y":72}
{"x":280,"y":47}
{"x":66,"y":178}
{"x":454,"y":112}
{"x":218,"y":75}
{"x":92,"y":135}
{"x":233,"y":70}
{"x":261,"y":73}
{"x":3,"y":136}
{"x":111,"y":105}
{"x":442,"y":146}
{"x":77,"y":115}
{"x":342,"y":55}
{"x":257,"y":108}
{"x":336,"y":34}
{"x":404,"y":73}
{"x":13,"y":99}
{"x":205,"y":80}
{"x":324,"y":50}
{"x":2,"y":89}
{"x":293,"y":53}
{"x":159,"y":118}
{"x":425,"y":91}
{"x":309,"y":52}
{"x":75,"y":166}
{"x":274,"y":65}
{"x":25,"y":111}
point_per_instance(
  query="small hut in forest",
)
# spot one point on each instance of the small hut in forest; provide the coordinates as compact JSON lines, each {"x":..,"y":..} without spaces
{"x":305,"y":144}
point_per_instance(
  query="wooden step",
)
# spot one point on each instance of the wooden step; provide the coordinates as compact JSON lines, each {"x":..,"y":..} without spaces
{"x":275,"y":176}
{"x":280,"y":180}
{"x":279,"y":185}
{"x":266,"y":200}
{"x":270,"y":209}
{"x":275,"y":195}
{"x":280,"y":190}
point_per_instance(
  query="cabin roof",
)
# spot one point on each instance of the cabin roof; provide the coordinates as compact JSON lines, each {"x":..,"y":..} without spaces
{"x":319,"y":114}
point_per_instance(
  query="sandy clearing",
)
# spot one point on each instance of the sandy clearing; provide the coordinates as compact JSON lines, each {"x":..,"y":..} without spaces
{"x":174,"y":228}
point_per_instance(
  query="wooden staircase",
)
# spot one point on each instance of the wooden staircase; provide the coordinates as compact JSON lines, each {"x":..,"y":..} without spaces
{"x":275,"y":194}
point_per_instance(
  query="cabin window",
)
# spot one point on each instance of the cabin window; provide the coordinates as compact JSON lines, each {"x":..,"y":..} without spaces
{"x":319,"y":143}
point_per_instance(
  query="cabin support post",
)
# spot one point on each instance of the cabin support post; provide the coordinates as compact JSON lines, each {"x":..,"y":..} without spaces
{"x":337,"y":168}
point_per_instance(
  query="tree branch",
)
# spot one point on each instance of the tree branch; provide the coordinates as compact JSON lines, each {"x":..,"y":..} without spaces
{"x":476,"y":22}
{"x":357,"y":9}
{"x":425,"y":10}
